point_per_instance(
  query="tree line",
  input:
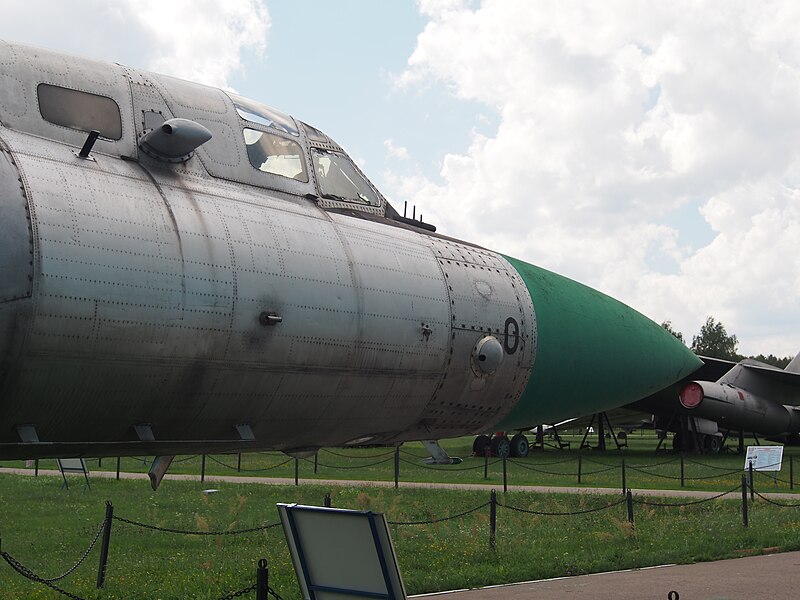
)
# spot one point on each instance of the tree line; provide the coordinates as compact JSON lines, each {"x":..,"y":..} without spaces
{"x":714,"y":341}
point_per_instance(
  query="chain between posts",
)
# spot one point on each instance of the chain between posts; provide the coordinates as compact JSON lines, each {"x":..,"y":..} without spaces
{"x":187,"y":532}
{"x":28,"y":574}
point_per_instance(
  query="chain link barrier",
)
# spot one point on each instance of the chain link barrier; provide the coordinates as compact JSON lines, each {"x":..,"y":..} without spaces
{"x":347,"y":467}
{"x":450,"y":518}
{"x":342,"y":455}
{"x":561,"y":514}
{"x":450,"y":467}
{"x":74,"y":567}
{"x":690,"y":502}
{"x":774,"y":503}
{"x":535,"y":470}
{"x":187,"y":532}
{"x":29,"y":574}
{"x":227,"y":466}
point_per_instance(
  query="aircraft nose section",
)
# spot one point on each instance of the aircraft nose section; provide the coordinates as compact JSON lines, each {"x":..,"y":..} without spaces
{"x":593,"y":353}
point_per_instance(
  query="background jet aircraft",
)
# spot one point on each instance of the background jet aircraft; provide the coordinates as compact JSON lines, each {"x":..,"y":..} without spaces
{"x":185,"y":270}
{"x":721,"y":397}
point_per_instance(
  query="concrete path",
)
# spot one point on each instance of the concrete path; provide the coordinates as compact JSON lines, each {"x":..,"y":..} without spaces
{"x":768,"y":577}
{"x":406,"y":484}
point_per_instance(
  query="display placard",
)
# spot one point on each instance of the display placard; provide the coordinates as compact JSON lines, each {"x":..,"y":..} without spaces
{"x":341,"y":554}
{"x":764,"y":458}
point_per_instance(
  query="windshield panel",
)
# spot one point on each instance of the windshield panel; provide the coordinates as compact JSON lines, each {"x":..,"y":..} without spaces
{"x":275,"y":154}
{"x":340,"y":180}
{"x":253,"y":111}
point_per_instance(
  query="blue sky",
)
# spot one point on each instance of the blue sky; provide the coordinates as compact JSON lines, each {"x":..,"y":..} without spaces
{"x":648,"y":150}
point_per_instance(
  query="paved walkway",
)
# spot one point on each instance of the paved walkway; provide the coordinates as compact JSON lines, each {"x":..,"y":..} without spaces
{"x":771,"y":577}
{"x":405,"y":484}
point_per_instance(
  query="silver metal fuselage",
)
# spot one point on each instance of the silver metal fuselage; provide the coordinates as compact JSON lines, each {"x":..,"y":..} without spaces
{"x":131,"y":291}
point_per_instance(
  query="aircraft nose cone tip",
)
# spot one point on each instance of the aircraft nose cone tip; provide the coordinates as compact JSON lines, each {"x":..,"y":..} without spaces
{"x":593,"y":353}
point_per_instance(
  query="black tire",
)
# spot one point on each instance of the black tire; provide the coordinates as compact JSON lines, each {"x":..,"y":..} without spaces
{"x":501,"y":447}
{"x":677,"y":442}
{"x":480,"y":445}
{"x":712,"y":444}
{"x":520,"y":446}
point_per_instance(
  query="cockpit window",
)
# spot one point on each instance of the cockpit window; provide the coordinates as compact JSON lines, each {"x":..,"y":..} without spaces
{"x":79,"y":110}
{"x":255,"y":112}
{"x":340,"y":180}
{"x":314,"y":134}
{"x":275,"y":154}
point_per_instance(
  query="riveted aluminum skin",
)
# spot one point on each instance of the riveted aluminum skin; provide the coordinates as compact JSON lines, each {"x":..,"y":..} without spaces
{"x":137,"y":290}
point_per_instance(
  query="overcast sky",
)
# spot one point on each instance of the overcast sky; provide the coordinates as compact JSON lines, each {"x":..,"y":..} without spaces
{"x":648,"y":149}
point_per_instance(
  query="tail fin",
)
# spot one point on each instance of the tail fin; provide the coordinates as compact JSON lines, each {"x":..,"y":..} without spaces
{"x":794,"y":366}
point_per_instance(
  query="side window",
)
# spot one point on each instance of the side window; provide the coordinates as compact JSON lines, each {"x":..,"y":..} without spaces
{"x":79,"y":110}
{"x":340,"y":180}
{"x":274,"y":154}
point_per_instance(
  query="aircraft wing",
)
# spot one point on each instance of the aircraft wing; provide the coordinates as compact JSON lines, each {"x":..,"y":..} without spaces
{"x":773,"y":373}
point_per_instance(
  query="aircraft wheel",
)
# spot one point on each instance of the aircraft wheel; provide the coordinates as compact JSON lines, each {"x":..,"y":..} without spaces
{"x":713,"y":444}
{"x":501,"y":447}
{"x":519,"y":446}
{"x":480,"y":445}
{"x":677,"y":442}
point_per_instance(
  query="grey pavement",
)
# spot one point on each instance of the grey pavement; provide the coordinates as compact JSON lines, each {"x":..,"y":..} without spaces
{"x":769,"y":577}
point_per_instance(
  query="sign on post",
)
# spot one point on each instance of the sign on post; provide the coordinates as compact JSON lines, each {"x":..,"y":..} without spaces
{"x":341,"y":554}
{"x":764,"y":458}
{"x":73,"y":465}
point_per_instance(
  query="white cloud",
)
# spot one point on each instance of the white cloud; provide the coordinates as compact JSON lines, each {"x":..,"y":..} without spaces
{"x":201,"y":40}
{"x":613,"y":116}
{"x":394,"y":151}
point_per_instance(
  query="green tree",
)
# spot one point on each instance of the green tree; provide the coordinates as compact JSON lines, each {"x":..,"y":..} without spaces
{"x":774,"y":360}
{"x":668,"y":326}
{"x":714,"y":341}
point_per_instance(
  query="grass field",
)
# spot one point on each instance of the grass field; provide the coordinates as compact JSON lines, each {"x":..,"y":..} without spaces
{"x":48,"y":529}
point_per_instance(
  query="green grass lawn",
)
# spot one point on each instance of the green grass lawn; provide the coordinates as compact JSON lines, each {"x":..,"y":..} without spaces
{"x":48,"y":529}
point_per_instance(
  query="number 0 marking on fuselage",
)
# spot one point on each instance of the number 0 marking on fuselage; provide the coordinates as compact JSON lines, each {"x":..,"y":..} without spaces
{"x":511,"y":339}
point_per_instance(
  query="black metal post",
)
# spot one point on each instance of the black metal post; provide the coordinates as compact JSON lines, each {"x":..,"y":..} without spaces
{"x":580,"y":464}
{"x":262,"y":580}
{"x":505,"y":476}
{"x":752,"y":489}
{"x":492,"y":519}
{"x":36,"y":467}
{"x":296,"y":471}
{"x":486,"y":463}
{"x":327,"y":501}
{"x":629,"y":498}
{"x":239,"y":462}
{"x":624,"y":482}
{"x":99,"y":462}
{"x":396,"y":467}
{"x":203,"y":469}
{"x":791,"y":472}
{"x":683,"y":471}
{"x":744,"y":500}
{"x":316,"y":459}
{"x":118,"y":461}
{"x":101,"y":570}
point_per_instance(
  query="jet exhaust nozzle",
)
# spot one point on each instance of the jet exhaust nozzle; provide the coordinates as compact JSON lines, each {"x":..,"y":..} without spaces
{"x":174,"y":140}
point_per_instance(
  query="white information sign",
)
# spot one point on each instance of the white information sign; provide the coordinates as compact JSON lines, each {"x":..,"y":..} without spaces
{"x":764,"y":458}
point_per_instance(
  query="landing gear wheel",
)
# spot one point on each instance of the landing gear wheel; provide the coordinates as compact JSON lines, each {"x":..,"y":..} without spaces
{"x":677,"y":442}
{"x":501,"y":447}
{"x":481,"y":444}
{"x":519,"y":446}
{"x":713,"y":444}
